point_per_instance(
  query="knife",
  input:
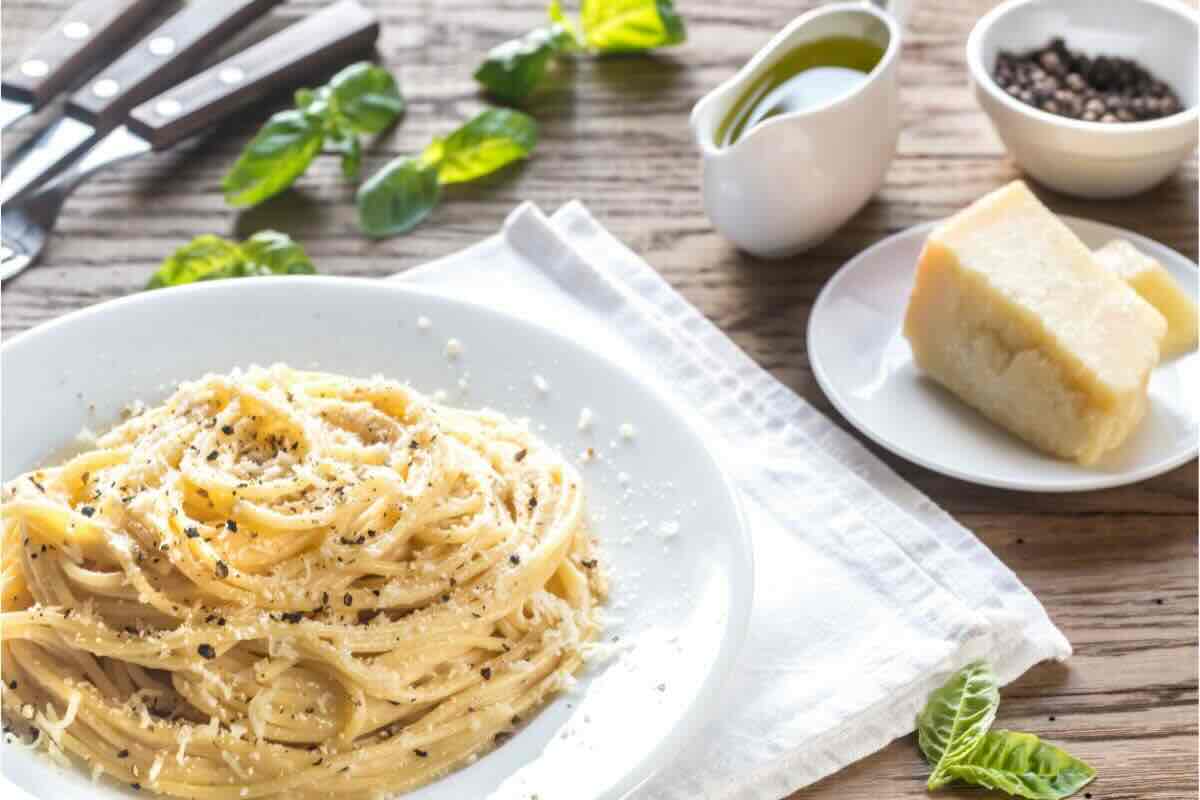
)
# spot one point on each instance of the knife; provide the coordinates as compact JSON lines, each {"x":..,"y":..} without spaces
{"x":165,"y":56}
{"x":65,"y":52}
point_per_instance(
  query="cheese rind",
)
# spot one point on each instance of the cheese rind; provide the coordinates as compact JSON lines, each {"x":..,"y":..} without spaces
{"x":1011,"y":312}
{"x":1156,"y":286}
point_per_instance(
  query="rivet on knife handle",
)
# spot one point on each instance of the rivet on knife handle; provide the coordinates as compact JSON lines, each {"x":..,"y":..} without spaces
{"x":329,"y":37}
{"x":166,"y":55}
{"x":72,"y":47}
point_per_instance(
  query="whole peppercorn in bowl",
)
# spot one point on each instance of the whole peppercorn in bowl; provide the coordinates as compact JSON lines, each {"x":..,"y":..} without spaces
{"x":1094,"y":98}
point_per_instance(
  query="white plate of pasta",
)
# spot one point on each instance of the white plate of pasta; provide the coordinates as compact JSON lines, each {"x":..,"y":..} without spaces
{"x":316,"y":537}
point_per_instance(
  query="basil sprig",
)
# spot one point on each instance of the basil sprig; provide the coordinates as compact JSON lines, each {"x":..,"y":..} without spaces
{"x":1023,"y":765}
{"x":208,"y":258}
{"x":513,"y":69}
{"x":403,"y":193}
{"x":362,"y":99}
{"x":630,"y":26}
{"x":952,"y":732}
{"x":956,"y":717}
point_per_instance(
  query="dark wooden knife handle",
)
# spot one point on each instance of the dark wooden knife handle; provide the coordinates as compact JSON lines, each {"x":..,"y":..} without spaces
{"x":76,"y":43}
{"x":331,"y":36}
{"x":167,"y":55}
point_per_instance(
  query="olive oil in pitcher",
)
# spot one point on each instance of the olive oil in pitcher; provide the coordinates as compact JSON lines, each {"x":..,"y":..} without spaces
{"x":807,"y":76}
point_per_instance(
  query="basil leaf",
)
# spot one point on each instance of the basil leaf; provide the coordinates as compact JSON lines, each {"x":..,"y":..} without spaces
{"x":207,"y":258}
{"x":199,"y":257}
{"x":275,"y":253}
{"x":627,"y":26}
{"x":558,"y":16}
{"x":491,"y":140}
{"x":1023,"y":765}
{"x":341,"y":140}
{"x":397,"y":197}
{"x":367,"y":96}
{"x":956,"y":717}
{"x":513,"y":69}
{"x":315,"y":102}
{"x":277,"y":155}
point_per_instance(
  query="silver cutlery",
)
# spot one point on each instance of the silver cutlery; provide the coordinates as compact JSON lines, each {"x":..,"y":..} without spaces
{"x":168,"y":54}
{"x":66,"y":53}
{"x":321,"y":40}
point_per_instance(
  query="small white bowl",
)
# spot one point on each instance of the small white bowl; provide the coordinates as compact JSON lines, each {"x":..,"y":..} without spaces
{"x":1092,"y":159}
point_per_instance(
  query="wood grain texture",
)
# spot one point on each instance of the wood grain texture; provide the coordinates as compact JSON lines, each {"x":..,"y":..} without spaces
{"x":1117,"y":569}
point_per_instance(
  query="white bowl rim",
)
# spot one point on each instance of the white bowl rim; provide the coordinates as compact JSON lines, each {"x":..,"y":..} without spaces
{"x":984,"y":80}
{"x":704,"y":707}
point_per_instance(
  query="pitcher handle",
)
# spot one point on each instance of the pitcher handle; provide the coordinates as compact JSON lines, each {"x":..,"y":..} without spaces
{"x":898,"y":9}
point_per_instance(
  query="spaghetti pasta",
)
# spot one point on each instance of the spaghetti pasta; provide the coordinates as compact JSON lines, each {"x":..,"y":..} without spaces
{"x":293,"y":584}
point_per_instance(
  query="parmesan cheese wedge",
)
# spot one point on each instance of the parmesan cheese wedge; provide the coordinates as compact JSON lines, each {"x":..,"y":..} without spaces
{"x":1156,"y":286}
{"x":1011,"y":312}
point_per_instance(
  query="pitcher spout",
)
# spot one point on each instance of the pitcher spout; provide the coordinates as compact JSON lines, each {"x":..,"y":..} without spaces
{"x":707,"y":115}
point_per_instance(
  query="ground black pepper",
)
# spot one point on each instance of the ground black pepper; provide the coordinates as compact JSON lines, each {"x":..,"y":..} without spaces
{"x":1093,"y":89}
{"x":206,"y":651}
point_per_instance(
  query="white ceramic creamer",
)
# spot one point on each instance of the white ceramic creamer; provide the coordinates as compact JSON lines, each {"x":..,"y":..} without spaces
{"x":791,"y":180}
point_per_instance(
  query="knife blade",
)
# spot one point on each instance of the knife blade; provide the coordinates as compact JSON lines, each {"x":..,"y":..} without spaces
{"x":11,"y":111}
{"x":167,"y":54}
{"x":66,"y":52}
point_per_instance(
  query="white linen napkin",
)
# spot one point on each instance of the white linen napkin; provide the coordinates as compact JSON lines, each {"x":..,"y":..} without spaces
{"x":866,"y":593}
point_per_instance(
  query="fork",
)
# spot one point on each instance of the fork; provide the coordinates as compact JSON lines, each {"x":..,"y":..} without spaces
{"x":320,"y":40}
{"x":26,"y":223}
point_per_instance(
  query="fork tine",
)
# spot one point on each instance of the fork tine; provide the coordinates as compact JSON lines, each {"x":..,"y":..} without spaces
{"x":21,"y":242}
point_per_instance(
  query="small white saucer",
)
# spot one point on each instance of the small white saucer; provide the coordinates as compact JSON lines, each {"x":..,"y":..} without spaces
{"x":865,"y":366}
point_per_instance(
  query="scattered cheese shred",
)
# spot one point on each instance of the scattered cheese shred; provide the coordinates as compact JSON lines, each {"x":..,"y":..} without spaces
{"x":155,"y":769}
{"x":183,"y":737}
{"x":54,"y":727}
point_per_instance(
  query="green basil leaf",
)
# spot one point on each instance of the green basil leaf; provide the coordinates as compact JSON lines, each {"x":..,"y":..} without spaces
{"x":197,"y":258}
{"x":557,"y":15}
{"x":513,"y":69}
{"x":313,"y":101}
{"x":208,"y":258}
{"x":1023,"y":765}
{"x":277,"y":155}
{"x":368,"y":96}
{"x":341,"y":140}
{"x":626,"y":26}
{"x":491,"y":140}
{"x":397,"y":197}
{"x":275,"y":253}
{"x":956,"y":717}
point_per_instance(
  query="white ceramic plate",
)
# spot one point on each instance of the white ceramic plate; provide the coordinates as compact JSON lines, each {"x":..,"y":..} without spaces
{"x":864,"y":364}
{"x":680,"y":605}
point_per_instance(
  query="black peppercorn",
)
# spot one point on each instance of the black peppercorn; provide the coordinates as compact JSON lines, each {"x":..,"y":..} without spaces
{"x":1103,"y":89}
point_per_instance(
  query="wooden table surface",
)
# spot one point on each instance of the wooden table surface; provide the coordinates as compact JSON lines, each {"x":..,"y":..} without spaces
{"x":1116,"y":569}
